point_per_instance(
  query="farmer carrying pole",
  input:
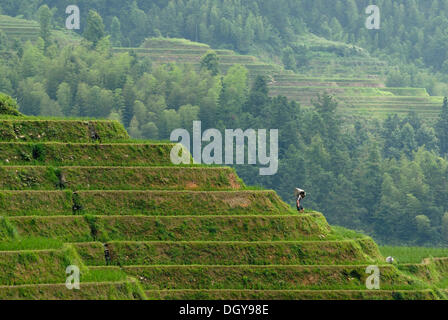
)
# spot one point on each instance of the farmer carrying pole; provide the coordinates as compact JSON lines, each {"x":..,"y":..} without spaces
{"x":300,"y":195}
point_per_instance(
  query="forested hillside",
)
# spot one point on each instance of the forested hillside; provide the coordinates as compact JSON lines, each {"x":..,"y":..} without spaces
{"x":388,"y":178}
{"x":413,"y":33}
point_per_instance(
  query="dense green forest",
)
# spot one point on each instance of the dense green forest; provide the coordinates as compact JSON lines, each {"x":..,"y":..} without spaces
{"x":413,"y":33}
{"x":387,"y":178}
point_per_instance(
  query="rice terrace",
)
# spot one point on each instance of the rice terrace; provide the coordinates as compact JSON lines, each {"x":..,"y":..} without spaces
{"x":66,"y":200}
{"x":341,"y":192}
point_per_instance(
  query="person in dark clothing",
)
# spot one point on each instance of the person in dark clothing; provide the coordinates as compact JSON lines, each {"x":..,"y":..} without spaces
{"x":299,"y":202}
{"x":300,"y":195}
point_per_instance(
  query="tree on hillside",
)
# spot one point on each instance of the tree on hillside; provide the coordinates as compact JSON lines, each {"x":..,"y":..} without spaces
{"x":397,"y":79}
{"x":351,"y":14}
{"x":288,"y":59}
{"x":170,"y":120}
{"x":150,"y":131}
{"x":188,"y":114}
{"x":442,"y":128}
{"x":95,"y":28}
{"x":258,"y":96}
{"x":367,"y":177}
{"x":407,"y":139}
{"x":210,"y":62}
{"x":137,"y":22}
{"x":326,"y":106}
{"x":64,"y":97}
{"x":423,"y":225}
{"x":233,"y":95}
{"x":8,"y":106}
{"x":31,"y":93}
{"x":388,"y":209}
{"x":115,"y":32}
{"x":45,"y":17}
{"x":129,"y":100}
{"x":134,"y":128}
{"x":32,"y":61}
{"x":81,"y":108}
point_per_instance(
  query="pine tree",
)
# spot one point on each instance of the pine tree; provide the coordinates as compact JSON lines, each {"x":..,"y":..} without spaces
{"x":115,"y":31}
{"x":326,"y":107}
{"x":64,"y":97}
{"x":129,"y":96}
{"x":407,"y":140}
{"x":134,"y":130}
{"x":423,"y":225}
{"x":95,"y":28}
{"x":150,"y":131}
{"x":82,"y":101}
{"x":387,"y":209}
{"x":45,"y":16}
{"x":258,"y":96}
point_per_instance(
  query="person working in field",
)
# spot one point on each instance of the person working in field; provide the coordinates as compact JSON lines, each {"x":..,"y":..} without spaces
{"x":300,"y":195}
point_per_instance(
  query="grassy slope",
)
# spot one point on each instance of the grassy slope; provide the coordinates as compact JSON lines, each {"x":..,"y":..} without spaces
{"x":144,"y":202}
{"x":122,"y":290}
{"x":292,"y":294}
{"x":239,"y":253}
{"x":184,"y":228}
{"x":118,"y":178}
{"x":272,"y":277}
{"x":85,"y":154}
{"x":40,"y":130}
{"x":413,"y":254}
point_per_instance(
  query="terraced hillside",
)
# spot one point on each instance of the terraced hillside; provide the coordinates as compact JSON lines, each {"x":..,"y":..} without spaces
{"x":19,"y":28}
{"x":356,"y":79}
{"x":24,"y":30}
{"x":81,"y":193}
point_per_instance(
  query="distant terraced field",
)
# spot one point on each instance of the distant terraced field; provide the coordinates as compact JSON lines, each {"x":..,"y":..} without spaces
{"x":357,"y":82}
{"x":24,"y":30}
{"x":19,"y":28}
